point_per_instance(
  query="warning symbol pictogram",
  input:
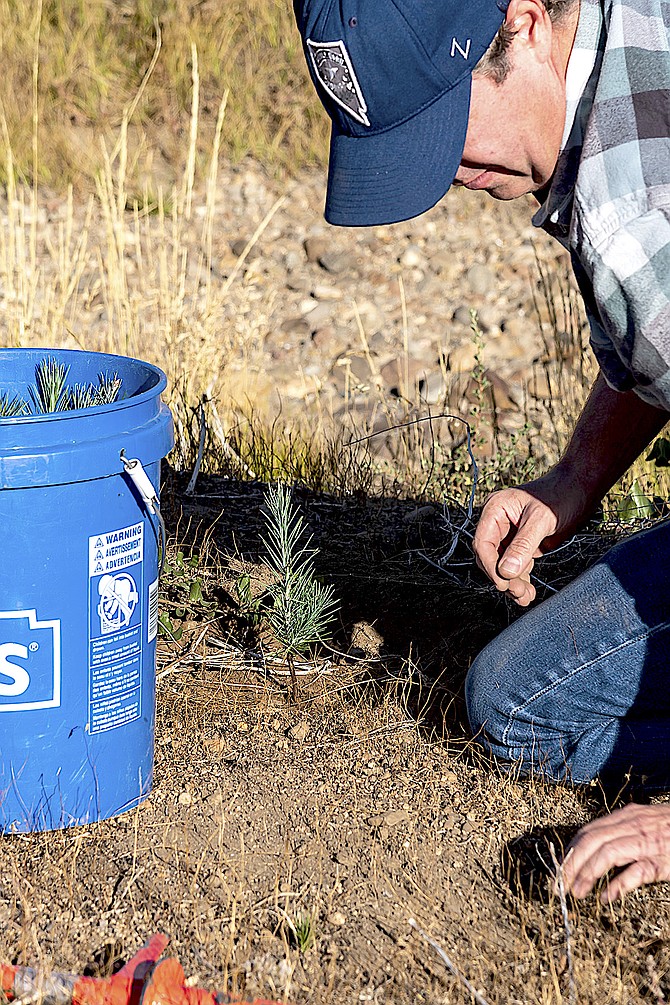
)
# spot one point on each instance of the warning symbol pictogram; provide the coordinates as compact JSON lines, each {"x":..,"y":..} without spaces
{"x":118,"y":600}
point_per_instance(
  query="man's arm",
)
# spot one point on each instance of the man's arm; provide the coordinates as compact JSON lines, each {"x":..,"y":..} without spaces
{"x":518,"y":525}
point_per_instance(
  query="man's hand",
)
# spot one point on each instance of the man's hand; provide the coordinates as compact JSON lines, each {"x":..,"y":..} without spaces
{"x":518,"y":525}
{"x":635,"y":839}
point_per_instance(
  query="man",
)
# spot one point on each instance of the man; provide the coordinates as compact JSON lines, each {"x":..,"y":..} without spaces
{"x":569,"y":100}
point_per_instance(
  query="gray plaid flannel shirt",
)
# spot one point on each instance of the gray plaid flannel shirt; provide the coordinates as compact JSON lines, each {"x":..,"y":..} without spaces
{"x":609,"y":199}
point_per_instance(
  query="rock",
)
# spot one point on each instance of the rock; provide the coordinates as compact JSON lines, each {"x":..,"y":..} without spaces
{"x":461,"y":359}
{"x":488,"y":318}
{"x":237,"y":247}
{"x":296,"y":326}
{"x":480,"y":279}
{"x":335,"y":262}
{"x":391,"y":818}
{"x":462,"y":315}
{"x":317,"y":315}
{"x":337,"y":919}
{"x":323,"y":292}
{"x":185,"y":799}
{"x":540,"y":385}
{"x":433,"y":388}
{"x":507,"y":348}
{"x":402,"y":376}
{"x":420,"y":514}
{"x":299,"y":732}
{"x":517,"y":328}
{"x":360,"y":368}
{"x":328,"y":340}
{"x":445,"y":264}
{"x":503,"y":395}
{"x":371,"y":316}
{"x":315,"y":247}
{"x":308,"y":305}
{"x":412,"y":257}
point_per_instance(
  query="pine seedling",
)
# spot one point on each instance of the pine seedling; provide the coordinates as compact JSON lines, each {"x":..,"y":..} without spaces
{"x":303,"y":931}
{"x":108,"y":389}
{"x":12,"y":407}
{"x":80,"y":396}
{"x":303,"y":608}
{"x":49,"y":393}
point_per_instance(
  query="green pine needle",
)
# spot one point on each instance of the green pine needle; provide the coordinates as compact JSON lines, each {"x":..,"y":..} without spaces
{"x":49,"y":392}
{"x":12,"y":407}
{"x":303,"y":608}
{"x":108,"y":389}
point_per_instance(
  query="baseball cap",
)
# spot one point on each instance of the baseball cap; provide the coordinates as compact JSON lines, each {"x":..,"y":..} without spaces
{"x":395,"y":77}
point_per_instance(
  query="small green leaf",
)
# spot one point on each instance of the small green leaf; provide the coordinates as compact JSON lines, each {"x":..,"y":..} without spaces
{"x":195,"y":593}
{"x":166,"y":627}
{"x":636,"y":505}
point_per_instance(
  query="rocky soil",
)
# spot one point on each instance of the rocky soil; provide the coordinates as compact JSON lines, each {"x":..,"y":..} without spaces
{"x":361,"y":314}
{"x":253,"y":295}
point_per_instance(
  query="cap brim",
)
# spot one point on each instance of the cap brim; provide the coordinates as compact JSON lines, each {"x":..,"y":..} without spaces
{"x":402,"y":172}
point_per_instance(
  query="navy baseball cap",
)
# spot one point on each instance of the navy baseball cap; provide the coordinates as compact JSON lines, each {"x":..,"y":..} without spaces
{"x":395,"y":78}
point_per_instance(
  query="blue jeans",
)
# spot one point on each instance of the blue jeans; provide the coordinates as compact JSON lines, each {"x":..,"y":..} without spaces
{"x":579,"y":687}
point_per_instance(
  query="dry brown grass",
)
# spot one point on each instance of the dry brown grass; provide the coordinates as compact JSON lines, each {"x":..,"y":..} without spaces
{"x":79,"y":64}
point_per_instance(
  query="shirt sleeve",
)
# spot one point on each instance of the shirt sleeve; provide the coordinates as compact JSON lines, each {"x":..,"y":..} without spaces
{"x":625,"y":280}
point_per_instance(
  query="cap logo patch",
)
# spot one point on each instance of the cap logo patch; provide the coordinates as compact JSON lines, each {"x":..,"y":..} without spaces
{"x":335,"y":71}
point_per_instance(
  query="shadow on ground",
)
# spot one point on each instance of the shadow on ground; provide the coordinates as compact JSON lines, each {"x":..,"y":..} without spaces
{"x":383,"y":557}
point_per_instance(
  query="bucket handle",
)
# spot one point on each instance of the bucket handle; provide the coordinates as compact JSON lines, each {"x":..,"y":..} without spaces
{"x":140,"y":479}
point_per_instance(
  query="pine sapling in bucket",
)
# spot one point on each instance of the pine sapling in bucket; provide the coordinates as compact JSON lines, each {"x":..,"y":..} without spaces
{"x":50,"y":393}
{"x":302,"y":608}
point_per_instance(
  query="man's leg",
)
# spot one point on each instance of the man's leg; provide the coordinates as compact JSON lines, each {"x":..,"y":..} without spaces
{"x":580,"y":686}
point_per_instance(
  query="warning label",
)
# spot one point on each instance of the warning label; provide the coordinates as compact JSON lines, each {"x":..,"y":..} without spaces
{"x":115,"y":572}
{"x":115,"y":550}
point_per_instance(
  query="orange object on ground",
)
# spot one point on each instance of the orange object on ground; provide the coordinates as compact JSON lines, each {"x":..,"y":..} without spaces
{"x":142,"y":981}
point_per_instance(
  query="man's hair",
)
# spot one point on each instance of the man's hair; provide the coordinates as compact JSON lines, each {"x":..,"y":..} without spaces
{"x":496,"y":62}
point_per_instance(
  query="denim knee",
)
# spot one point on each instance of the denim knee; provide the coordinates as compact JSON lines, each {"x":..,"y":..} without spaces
{"x":487,"y":700}
{"x":497,"y":688}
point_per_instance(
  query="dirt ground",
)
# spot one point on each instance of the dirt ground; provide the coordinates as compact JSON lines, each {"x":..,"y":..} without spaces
{"x":358,"y":807}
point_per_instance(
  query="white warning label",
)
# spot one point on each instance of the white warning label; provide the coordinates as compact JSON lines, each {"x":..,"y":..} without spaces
{"x":115,"y":550}
{"x":116,"y":618}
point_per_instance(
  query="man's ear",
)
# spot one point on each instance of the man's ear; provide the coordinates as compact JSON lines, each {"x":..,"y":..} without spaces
{"x":531,"y":26}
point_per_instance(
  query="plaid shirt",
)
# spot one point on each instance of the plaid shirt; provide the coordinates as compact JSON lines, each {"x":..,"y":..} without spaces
{"x":609,"y":199}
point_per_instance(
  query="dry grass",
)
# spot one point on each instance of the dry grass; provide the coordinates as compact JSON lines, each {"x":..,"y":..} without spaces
{"x":79,"y":65}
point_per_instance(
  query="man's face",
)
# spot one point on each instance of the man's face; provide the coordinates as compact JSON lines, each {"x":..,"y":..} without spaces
{"x":515,"y":128}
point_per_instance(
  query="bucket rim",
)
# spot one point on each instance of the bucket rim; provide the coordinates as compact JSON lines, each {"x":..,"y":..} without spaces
{"x":93,"y":410}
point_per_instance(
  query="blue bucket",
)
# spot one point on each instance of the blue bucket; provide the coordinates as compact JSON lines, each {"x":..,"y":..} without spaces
{"x":78,"y":595}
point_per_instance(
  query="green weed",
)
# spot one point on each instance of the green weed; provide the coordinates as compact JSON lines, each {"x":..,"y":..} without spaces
{"x":182,"y":592}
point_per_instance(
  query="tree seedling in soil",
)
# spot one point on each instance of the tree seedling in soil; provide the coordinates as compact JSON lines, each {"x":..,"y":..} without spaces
{"x":302,"y":608}
{"x":303,"y":932}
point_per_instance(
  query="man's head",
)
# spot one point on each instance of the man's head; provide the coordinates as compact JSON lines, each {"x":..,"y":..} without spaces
{"x":422,"y":92}
{"x":517,"y":104}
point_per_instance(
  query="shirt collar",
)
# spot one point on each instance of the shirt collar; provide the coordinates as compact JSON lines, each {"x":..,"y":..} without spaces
{"x":580,"y":84}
